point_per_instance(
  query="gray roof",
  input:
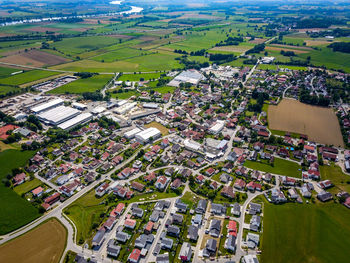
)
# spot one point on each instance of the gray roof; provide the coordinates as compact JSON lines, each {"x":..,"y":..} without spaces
{"x":167,"y":242}
{"x":99,"y":236}
{"x":193,"y":232}
{"x":174,"y":230}
{"x":211,"y":244}
{"x":201,"y":206}
{"x":121,"y":236}
{"x":163,"y":258}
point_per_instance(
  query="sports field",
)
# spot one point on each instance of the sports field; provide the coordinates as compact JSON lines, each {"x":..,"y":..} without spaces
{"x":295,"y":233}
{"x":43,"y":244}
{"x":319,"y":123}
{"x":15,"y":211}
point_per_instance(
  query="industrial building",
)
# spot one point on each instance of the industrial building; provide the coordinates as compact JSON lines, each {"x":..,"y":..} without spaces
{"x":131,"y":134}
{"x":192,"y":145}
{"x":150,"y":105}
{"x":98,"y":110}
{"x":125,"y":108}
{"x":79,"y":106}
{"x":47,"y":105}
{"x":79,"y":119}
{"x":148,"y":134}
{"x":58,"y":115}
{"x":218,"y":127}
{"x":189,"y":76}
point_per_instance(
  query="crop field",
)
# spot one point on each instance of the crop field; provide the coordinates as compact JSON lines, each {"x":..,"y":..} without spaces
{"x":85,"y":212}
{"x":77,"y":45}
{"x":15,"y":211}
{"x":124,"y":95}
{"x":320,"y":124}
{"x":281,"y":166}
{"x":5,"y":89}
{"x":296,"y":51}
{"x":305,"y":233}
{"x":45,"y":243}
{"x":6,"y":72}
{"x":237,"y":49}
{"x":34,"y":58}
{"x":121,"y":54}
{"x":137,"y":77}
{"x":27,"y":76}
{"x":92,"y":84}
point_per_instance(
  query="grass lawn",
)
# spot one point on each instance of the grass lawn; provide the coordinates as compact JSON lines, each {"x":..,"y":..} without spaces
{"x":337,"y":177}
{"x":151,"y":196}
{"x":92,"y":84}
{"x":85,"y":212}
{"x":27,"y":186}
{"x":124,"y":95}
{"x":281,"y":167}
{"x":15,"y":211}
{"x":306,"y":233}
{"x":6,"y":89}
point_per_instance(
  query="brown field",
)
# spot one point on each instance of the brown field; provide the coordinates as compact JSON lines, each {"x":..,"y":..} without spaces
{"x":232,"y":48}
{"x":317,"y":42}
{"x":197,"y":16}
{"x":42,"y":29}
{"x":286,"y":49}
{"x":35,"y":58}
{"x":291,"y":47}
{"x":159,"y":126}
{"x":257,"y":40}
{"x":320,"y":124}
{"x":43,"y":244}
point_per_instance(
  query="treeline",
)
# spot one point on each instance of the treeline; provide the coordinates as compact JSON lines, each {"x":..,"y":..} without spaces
{"x":287,"y":53}
{"x":230,"y":41}
{"x":201,"y":52}
{"x":85,"y":75}
{"x":340,"y":46}
{"x":314,"y":22}
{"x":305,"y":97}
{"x":221,"y":58}
{"x":256,"y":49}
{"x":338,"y":32}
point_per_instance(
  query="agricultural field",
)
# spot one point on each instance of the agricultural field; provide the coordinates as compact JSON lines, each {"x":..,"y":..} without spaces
{"x":27,"y":76}
{"x":310,"y":233}
{"x":79,"y":86}
{"x":137,"y":77}
{"x":35,"y":58}
{"x":281,"y":167}
{"x":45,"y":243}
{"x":320,"y":124}
{"x":15,"y":211}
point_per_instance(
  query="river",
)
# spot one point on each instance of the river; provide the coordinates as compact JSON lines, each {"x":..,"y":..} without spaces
{"x":133,"y":10}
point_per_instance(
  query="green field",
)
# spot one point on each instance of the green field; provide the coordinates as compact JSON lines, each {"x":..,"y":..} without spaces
{"x":337,"y":177}
{"x":296,"y":233}
{"x":92,"y":84}
{"x":15,"y":211}
{"x":136,"y":77}
{"x":281,"y":167}
{"x":27,"y":76}
{"x":6,"y":72}
{"x":121,"y":54}
{"x":6,"y":89}
{"x":85,"y":212}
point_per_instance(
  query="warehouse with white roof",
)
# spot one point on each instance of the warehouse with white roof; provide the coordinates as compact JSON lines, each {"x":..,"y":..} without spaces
{"x":80,"y":119}
{"x":146,"y":135}
{"x":218,"y":127}
{"x":58,"y":115}
{"x":47,"y":105}
{"x":131,"y":134}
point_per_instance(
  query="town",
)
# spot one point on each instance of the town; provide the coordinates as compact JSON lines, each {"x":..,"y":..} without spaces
{"x":174,"y":132}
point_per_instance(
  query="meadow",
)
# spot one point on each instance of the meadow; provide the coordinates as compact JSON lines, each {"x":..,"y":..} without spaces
{"x":79,"y":86}
{"x":15,"y":211}
{"x":45,"y":243}
{"x":305,"y":233}
{"x":319,"y":123}
{"x":281,"y":167}
{"x":85,"y":214}
{"x":338,"y":178}
{"x":137,"y":77}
